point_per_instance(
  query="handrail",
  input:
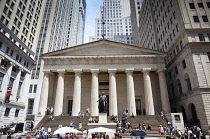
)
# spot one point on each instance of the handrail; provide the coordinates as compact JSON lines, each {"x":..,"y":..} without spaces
{"x":160,"y":119}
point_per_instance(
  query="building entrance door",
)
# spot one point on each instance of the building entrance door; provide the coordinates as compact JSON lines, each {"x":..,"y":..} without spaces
{"x":70,"y":102}
{"x":138,"y":107}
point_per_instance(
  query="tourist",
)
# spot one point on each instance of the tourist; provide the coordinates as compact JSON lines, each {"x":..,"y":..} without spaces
{"x":51,"y":110}
{"x":49,"y":130}
{"x":143,"y":127}
{"x":164,"y":130}
{"x":51,"y":118}
{"x":132,"y":115}
{"x":9,"y":134}
{"x":71,"y":123}
{"x":80,"y":125}
{"x":18,"y":135}
{"x":47,"y":110}
{"x":149,"y":127}
{"x":90,"y":120}
{"x":79,"y":115}
{"x":28,"y":137}
{"x":60,"y":126}
{"x":196,"y":131}
{"x":160,"y":130}
{"x":162,"y":115}
{"x":87,"y":112}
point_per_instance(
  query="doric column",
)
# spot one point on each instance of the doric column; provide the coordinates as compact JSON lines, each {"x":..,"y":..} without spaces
{"x":76,"y":108}
{"x":6,"y":79}
{"x":131,"y":101}
{"x":44,"y":93}
{"x":24,"y":88}
{"x":58,"y":107}
{"x":148,"y":93}
{"x":94,"y":93}
{"x":163,"y":91}
{"x":1,"y":57}
{"x":112,"y":92}
{"x":16,"y":85}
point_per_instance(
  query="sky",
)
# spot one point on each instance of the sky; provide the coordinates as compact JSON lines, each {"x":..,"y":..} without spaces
{"x":92,"y":12}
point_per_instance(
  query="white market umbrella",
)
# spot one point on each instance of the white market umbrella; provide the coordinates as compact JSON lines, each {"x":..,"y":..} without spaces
{"x":101,"y":129}
{"x":66,"y":130}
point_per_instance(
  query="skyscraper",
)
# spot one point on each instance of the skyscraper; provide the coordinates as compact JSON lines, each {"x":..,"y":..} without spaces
{"x":182,"y":30}
{"x":115,"y":14}
{"x":62,"y":26}
{"x":19,"y":28}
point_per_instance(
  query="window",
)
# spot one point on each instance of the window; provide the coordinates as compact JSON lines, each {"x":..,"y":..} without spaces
{"x":179,"y":88}
{"x":184,"y":64}
{"x":1,"y":44}
{"x":30,"y":88}
{"x":35,"y":88}
{"x":196,"y":19}
{"x":201,"y":37}
{"x":208,"y":34}
{"x":188,"y":84}
{"x":11,"y":53}
{"x":5,"y":9}
{"x":7,"y":112}
{"x":176,"y":70}
{"x":174,"y":15}
{"x":208,"y":54}
{"x":200,"y":5}
{"x":172,"y":91}
{"x":7,"y":50}
{"x":192,"y":6}
{"x":205,"y":19}
{"x":208,"y":4}
{"x":169,"y":74}
{"x":17,"y":57}
{"x":181,"y":44}
{"x":16,"y":112}
{"x":1,"y":78}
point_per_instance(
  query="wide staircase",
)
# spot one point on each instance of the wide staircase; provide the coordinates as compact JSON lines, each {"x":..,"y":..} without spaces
{"x":65,"y":121}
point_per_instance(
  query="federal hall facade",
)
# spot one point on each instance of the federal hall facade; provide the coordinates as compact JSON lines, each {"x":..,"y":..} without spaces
{"x":131,"y":77}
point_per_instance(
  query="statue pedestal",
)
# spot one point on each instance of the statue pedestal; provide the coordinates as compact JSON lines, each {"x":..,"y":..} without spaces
{"x":102,"y":118}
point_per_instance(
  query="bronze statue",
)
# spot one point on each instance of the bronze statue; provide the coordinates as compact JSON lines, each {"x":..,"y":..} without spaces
{"x":102,"y":103}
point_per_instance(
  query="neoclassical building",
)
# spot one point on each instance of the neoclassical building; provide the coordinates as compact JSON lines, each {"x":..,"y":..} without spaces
{"x":130,"y":76}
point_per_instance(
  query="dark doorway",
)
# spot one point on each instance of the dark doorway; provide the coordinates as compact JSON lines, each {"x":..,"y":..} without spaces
{"x":184,"y":114}
{"x":70,"y":102}
{"x":138,"y":107}
{"x":194,"y":115}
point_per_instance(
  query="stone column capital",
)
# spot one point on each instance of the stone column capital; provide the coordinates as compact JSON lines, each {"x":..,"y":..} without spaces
{"x":94,"y":70}
{"x":61,"y":71}
{"x":20,"y":69}
{"x":146,"y":69}
{"x":77,"y":70}
{"x":46,"y":71}
{"x":112,"y":70}
{"x":129,"y":70}
{"x":1,"y":57}
{"x":161,"y":70}
{"x":12,"y":64}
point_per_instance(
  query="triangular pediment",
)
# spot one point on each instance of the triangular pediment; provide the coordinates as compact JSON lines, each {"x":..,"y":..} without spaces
{"x":103,"y":48}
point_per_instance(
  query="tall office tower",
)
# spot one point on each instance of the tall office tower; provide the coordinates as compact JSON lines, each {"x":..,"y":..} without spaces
{"x":62,"y":27}
{"x":116,"y":16}
{"x":182,"y":29}
{"x":19,"y":28}
{"x":135,"y":10}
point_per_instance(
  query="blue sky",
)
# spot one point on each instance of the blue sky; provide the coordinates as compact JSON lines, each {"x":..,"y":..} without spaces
{"x":92,"y":12}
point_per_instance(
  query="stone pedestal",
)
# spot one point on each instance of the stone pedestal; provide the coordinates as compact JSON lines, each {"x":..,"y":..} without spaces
{"x":176,"y":120}
{"x":102,"y":118}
